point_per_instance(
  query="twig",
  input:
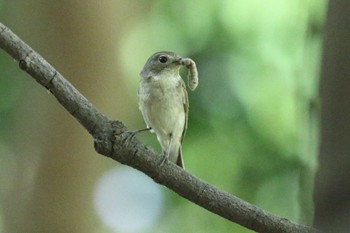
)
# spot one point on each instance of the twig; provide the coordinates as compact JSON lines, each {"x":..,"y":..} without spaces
{"x":110,"y":141}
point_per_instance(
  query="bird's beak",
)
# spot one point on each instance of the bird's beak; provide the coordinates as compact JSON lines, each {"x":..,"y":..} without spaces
{"x":178,"y":61}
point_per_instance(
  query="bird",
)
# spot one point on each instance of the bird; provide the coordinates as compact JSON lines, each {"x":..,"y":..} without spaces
{"x":163,"y":102}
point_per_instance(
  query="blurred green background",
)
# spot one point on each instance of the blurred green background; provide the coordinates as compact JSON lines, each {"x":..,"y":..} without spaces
{"x":253,"y":123}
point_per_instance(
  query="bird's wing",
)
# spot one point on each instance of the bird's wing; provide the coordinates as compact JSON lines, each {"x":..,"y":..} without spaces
{"x":144,"y":115}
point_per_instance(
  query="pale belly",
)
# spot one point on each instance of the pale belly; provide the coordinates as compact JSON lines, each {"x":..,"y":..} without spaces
{"x":163,"y":111}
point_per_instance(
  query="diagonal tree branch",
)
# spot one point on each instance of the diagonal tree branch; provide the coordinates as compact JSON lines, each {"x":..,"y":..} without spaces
{"x":111,"y":140}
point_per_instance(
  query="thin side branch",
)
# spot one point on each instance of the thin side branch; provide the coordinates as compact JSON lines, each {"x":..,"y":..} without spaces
{"x":111,"y":140}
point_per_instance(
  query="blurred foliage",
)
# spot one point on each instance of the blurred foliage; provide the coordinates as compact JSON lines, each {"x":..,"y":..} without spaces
{"x":253,"y":123}
{"x":10,"y":91}
{"x":252,"y":130}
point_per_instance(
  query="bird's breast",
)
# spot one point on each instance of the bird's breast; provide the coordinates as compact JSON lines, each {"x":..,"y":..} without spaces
{"x":158,"y":89}
{"x":161,"y":103}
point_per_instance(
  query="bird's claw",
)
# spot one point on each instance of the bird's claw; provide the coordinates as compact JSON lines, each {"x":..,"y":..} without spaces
{"x":131,"y":134}
{"x":164,"y":159}
{"x":128,"y":136}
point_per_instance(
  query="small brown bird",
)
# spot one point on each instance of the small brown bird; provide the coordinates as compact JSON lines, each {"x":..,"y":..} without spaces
{"x":163,"y":102}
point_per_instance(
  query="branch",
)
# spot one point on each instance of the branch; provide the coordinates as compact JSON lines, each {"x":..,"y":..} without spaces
{"x":111,"y":140}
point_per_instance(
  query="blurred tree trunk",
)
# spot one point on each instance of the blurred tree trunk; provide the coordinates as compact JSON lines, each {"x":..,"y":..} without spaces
{"x":79,"y":38}
{"x":332,"y":184}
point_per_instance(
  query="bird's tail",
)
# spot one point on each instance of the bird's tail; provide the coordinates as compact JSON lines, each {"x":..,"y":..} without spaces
{"x":175,"y":155}
{"x":179,"y":160}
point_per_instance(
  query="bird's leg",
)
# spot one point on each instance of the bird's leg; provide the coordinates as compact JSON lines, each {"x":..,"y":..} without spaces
{"x":167,"y":152}
{"x":132,"y":134}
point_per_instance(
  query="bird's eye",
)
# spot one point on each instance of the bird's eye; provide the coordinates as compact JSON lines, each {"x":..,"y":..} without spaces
{"x":163,"y":59}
